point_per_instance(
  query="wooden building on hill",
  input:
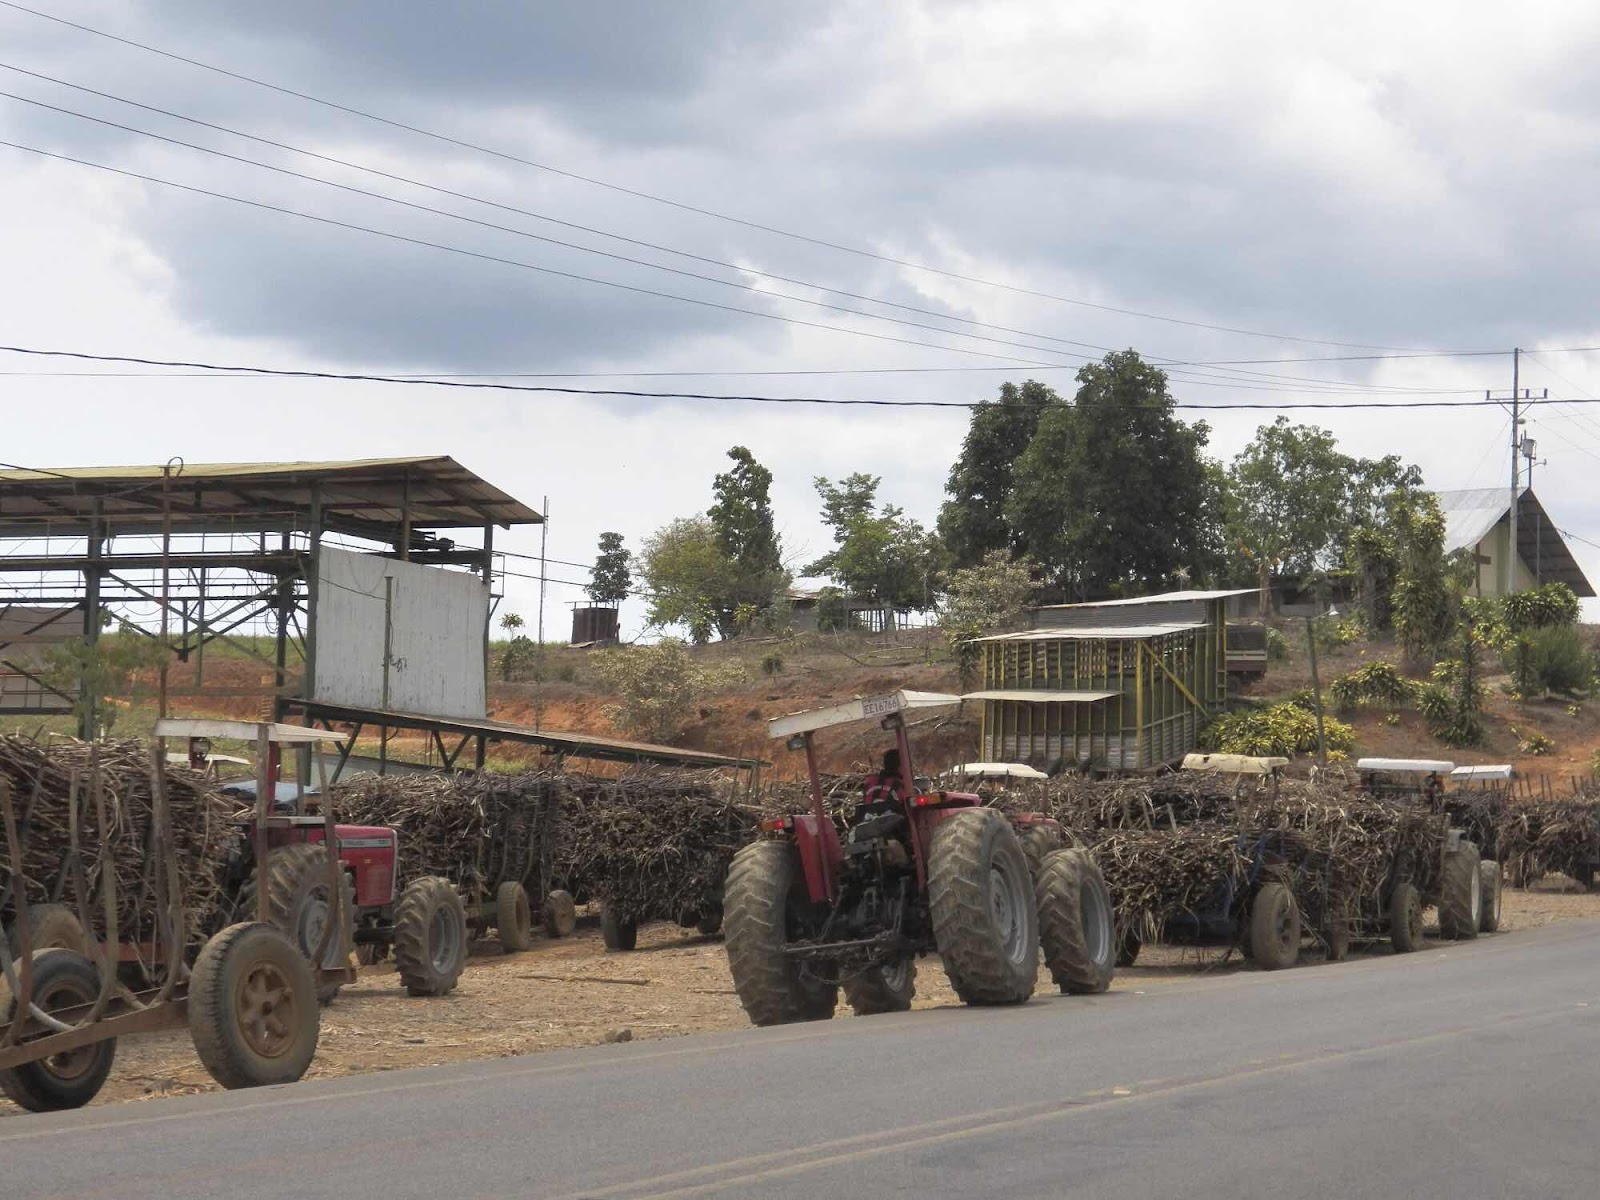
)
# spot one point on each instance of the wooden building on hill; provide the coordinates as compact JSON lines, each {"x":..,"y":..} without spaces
{"x":1122,"y":685}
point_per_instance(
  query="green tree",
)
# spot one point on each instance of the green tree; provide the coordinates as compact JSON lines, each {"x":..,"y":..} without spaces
{"x":987,"y":598}
{"x":94,"y":672}
{"x":741,"y":515}
{"x":1426,"y":599}
{"x":687,"y":574}
{"x":1109,"y":495}
{"x":973,"y":520}
{"x":879,"y":553}
{"x":611,"y":577}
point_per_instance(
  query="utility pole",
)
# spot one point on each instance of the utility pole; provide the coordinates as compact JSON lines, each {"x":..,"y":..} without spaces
{"x":1508,"y":568}
{"x":1530,"y":451}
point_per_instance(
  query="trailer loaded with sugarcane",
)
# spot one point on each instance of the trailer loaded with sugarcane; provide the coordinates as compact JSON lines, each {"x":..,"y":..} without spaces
{"x":110,"y":903}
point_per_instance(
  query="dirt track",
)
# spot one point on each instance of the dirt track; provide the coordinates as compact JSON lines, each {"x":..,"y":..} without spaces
{"x":574,"y":993}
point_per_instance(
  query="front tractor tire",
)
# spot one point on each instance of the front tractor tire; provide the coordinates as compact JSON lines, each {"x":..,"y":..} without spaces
{"x":513,"y":917}
{"x":616,"y":931}
{"x":764,"y":894}
{"x":882,"y":989}
{"x":298,"y":903}
{"x":1076,"y":928}
{"x":1274,"y":927}
{"x":981,"y":898}
{"x":430,"y":936}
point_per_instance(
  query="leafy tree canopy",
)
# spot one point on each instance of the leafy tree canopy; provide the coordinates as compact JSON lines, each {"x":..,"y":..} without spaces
{"x":973,"y":520}
{"x":611,"y":577}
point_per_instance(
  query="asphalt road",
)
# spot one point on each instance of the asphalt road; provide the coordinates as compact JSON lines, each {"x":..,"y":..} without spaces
{"x":1459,"y":1071}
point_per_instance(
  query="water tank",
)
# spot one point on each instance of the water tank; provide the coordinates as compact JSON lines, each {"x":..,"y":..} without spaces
{"x":594,"y":625}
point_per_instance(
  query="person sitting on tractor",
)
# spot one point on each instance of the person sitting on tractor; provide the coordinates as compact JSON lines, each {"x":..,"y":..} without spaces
{"x":883,"y":788}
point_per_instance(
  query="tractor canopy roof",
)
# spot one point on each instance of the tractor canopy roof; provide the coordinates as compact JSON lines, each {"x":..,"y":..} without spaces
{"x":1233,"y":764}
{"x":993,"y":770}
{"x":860,"y":709}
{"x":1406,"y":766}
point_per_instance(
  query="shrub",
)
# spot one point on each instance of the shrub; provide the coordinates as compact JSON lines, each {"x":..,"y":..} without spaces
{"x":1554,"y":604}
{"x":772,"y":662}
{"x":1532,"y":742}
{"x":660,"y":687}
{"x":1283,"y":729}
{"x":1447,"y":720}
{"x":833,"y":614}
{"x":1377,"y":683}
{"x":1277,"y":645}
{"x":1550,"y":658}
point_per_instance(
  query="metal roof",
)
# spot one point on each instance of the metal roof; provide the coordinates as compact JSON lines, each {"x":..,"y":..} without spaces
{"x":858,"y":709}
{"x":365,"y":497}
{"x":1094,"y":633}
{"x":1470,"y":515}
{"x":1041,"y":696}
{"x":183,"y":727}
{"x":1406,"y":766}
{"x":1159,"y":598}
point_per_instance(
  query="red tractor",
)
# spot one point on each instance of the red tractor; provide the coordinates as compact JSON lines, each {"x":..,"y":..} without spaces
{"x":808,"y":913}
{"x":330,"y":908}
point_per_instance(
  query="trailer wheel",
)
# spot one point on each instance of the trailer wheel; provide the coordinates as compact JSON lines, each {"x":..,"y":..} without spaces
{"x":51,"y":926}
{"x":1405,"y":918}
{"x":430,"y":936}
{"x":617,"y":932}
{"x":1337,"y":938}
{"x":298,"y":904}
{"x":513,"y":917}
{"x":882,"y":989}
{"x":1460,"y":894}
{"x":1489,"y":873}
{"x":253,"y":1013}
{"x":764,"y":893}
{"x":980,"y":895}
{"x":709,"y":923}
{"x":1274,"y":927}
{"x":62,"y":979}
{"x":560,"y":914}
{"x":1076,"y":928}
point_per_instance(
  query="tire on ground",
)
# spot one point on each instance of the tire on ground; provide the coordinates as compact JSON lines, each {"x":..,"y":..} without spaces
{"x":710,"y":923}
{"x":882,"y":989}
{"x":764,"y":886}
{"x":1405,"y":918}
{"x":1336,"y":936}
{"x":560,"y":914}
{"x":618,"y":932}
{"x":297,"y":903}
{"x":62,"y":979}
{"x":50,"y":927}
{"x":513,"y":917}
{"x":1460,"y":894}
{"x":1076,"y":928}
{"x":430,"y":936}
{"x":1489,"y":872}
{"x":980,"y":895}
{"x":1128,"y":947}
{"x":253,"y":1013}
{"x":1274,"y":927}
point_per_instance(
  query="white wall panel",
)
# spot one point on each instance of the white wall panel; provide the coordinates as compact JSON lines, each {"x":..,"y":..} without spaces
{"x":437,"y":620}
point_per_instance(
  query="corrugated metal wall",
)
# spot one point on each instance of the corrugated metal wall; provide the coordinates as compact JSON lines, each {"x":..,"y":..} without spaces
{"x":437,"y":620}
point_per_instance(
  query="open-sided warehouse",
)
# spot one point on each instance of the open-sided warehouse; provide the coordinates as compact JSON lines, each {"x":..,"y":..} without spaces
{"x":1123,"y":685}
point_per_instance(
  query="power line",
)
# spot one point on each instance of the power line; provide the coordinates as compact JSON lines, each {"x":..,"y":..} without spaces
{"x":412,"y":381}
{"x":677,"y":204}
{"x":1177,"y":366}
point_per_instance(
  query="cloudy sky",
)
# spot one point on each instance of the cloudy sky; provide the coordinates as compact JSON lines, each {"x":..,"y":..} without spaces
{"x":1363,"y":179}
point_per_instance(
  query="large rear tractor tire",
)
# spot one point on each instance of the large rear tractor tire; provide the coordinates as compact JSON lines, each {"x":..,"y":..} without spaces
{"x":253,"y":1011}
{"x":560,"y":914}
{"x":1076,"y":928}
{"x":1274,"y":927}
{"x":1489,"y":872}
{"x":1405,"y":918}
{"x":882,"y":989}
{"x":513,"y":917}
{"x":618,"y":932}
{"x":298,"y":904}
{"x":1460,"y":894}
{"x":981,"y":898}
{"x":765,"y":890}
{"x":50,"y":927}
{"x":62,"y":979}
{"x":430,"y":936}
